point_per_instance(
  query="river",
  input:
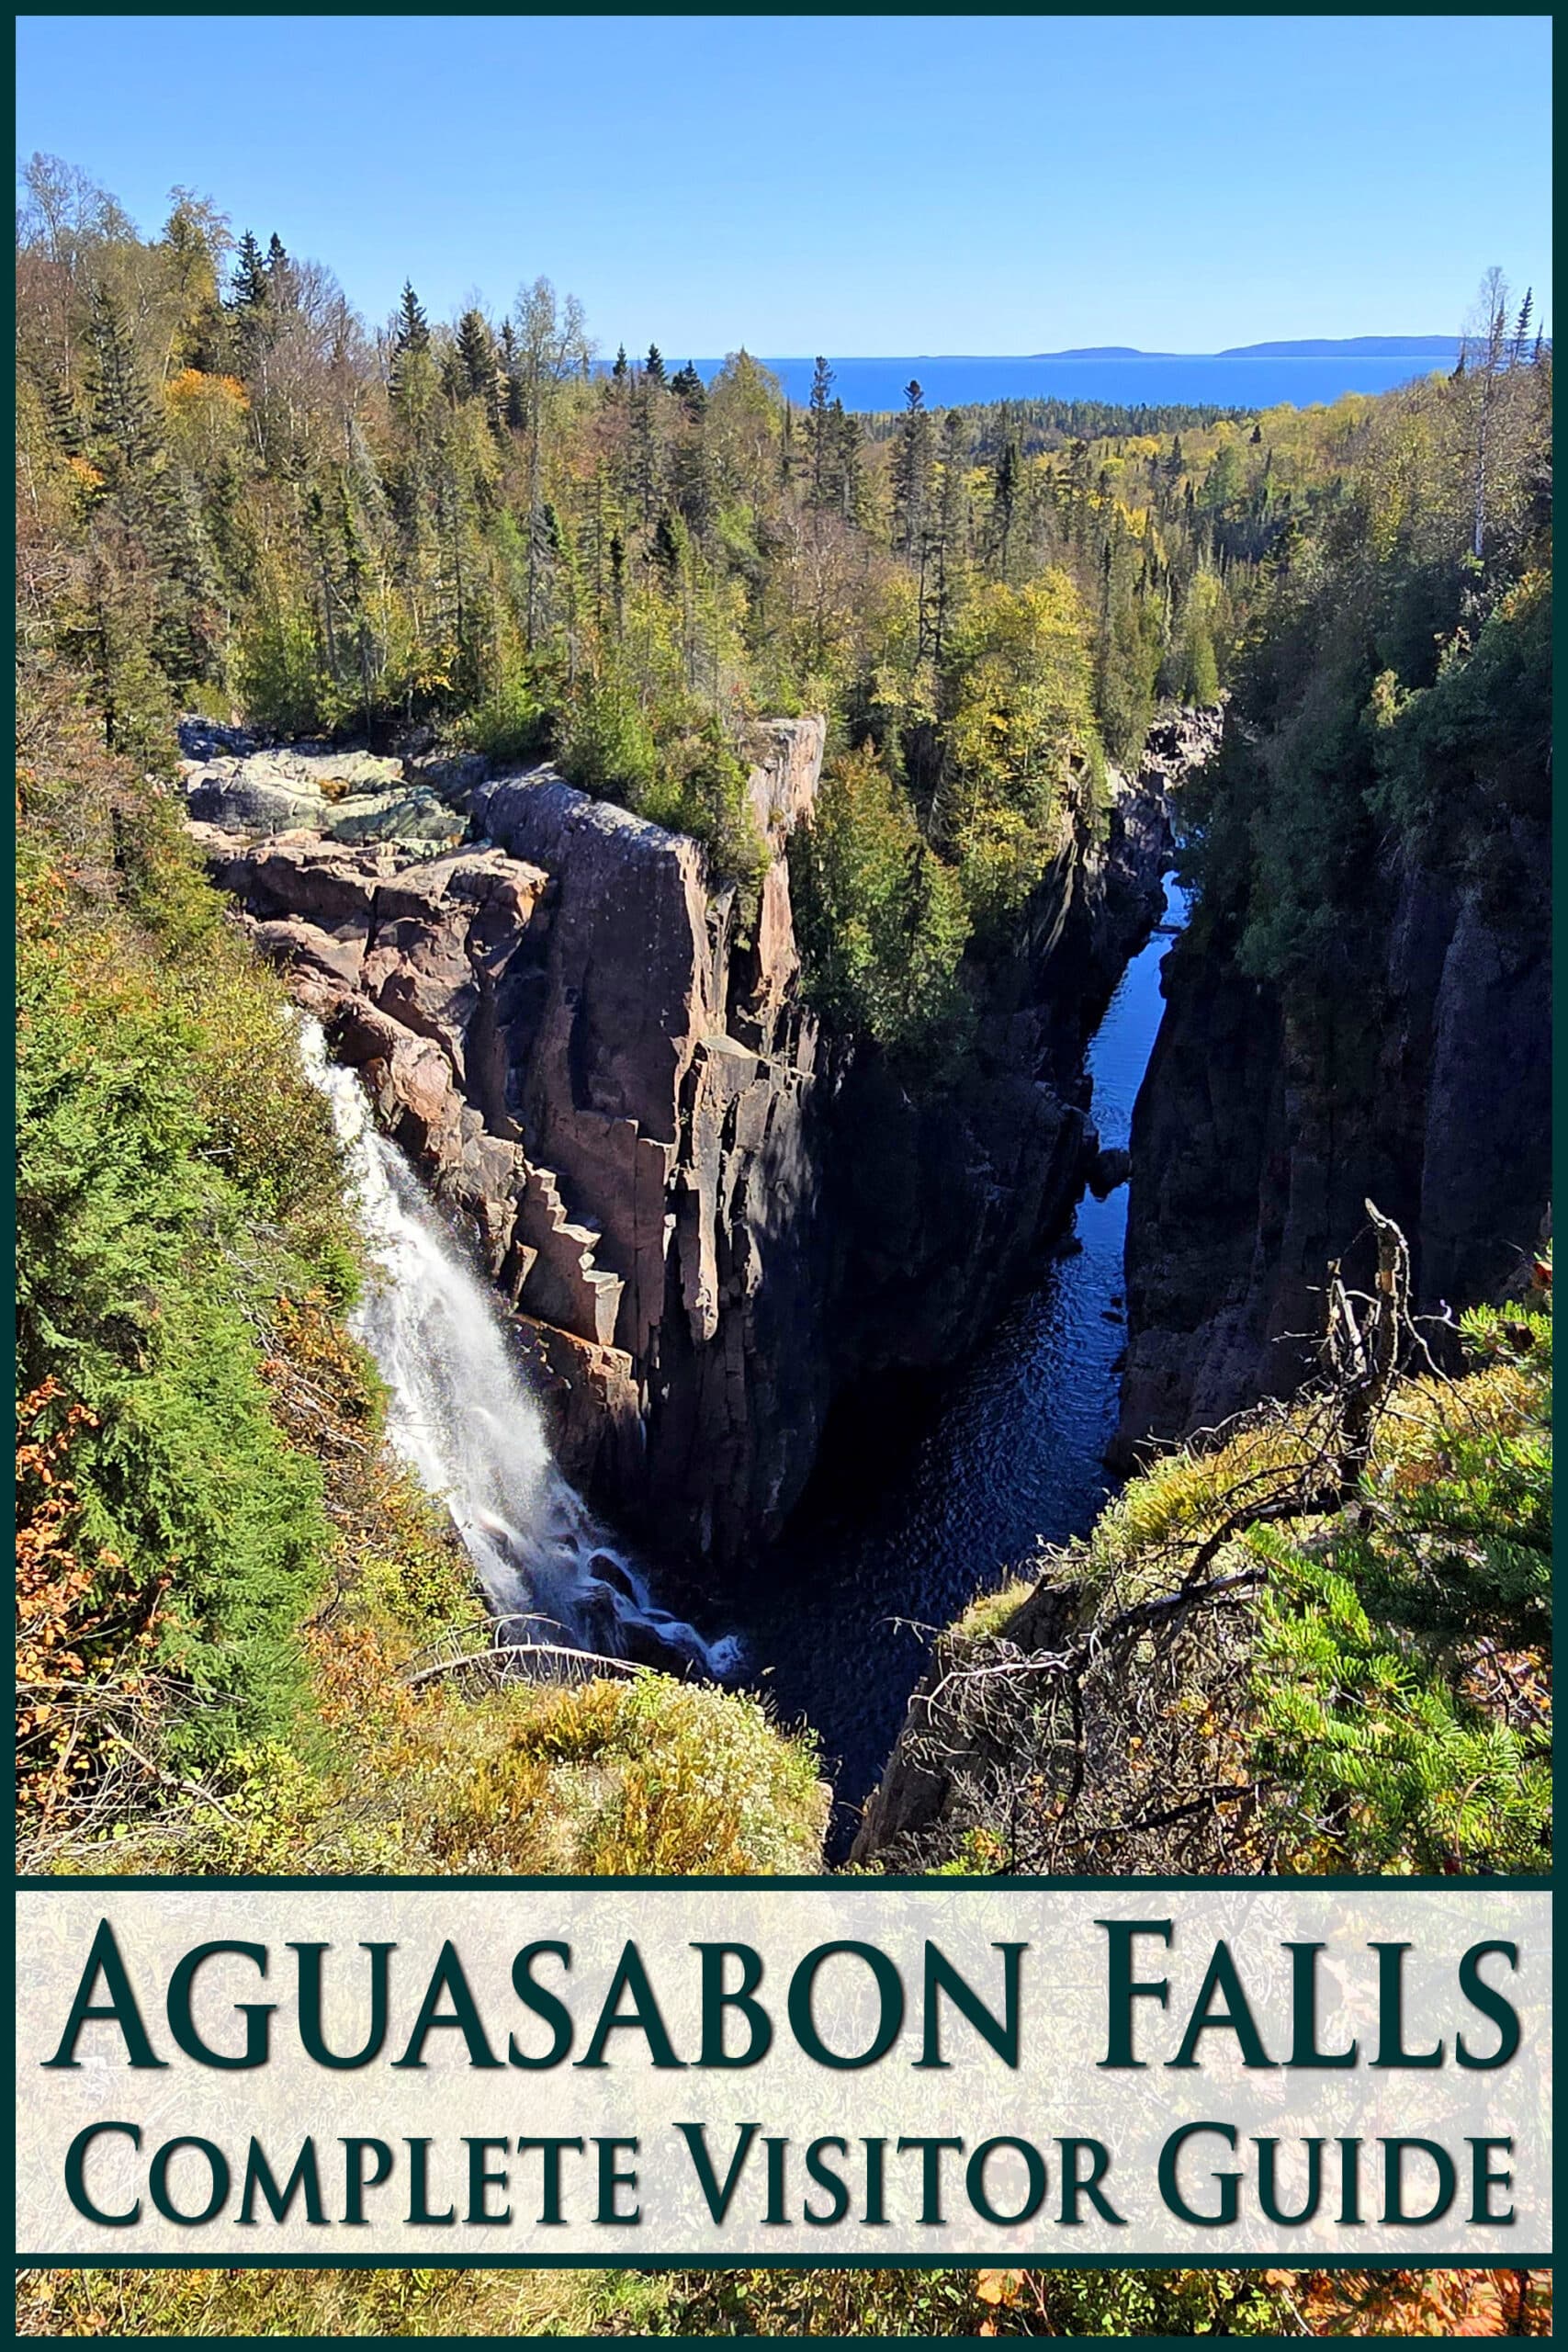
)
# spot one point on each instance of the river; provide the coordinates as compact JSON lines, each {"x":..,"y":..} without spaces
{"x":839,"y":1629}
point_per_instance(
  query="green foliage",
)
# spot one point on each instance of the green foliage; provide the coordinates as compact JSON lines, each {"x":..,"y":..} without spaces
{"x":934,"y":2304}
{"x":174,"y":1170}
{"x":1019,"y":730}
{"x":880,"y":919}
{"x":701,"y":790}
{"x":1458,"y":761}
{"x":605,"y":743}
{"x":465,"y":526}
{"x":811,"y":2301}
{"x":1392,"y":697}
{"x":1404,"y":1649}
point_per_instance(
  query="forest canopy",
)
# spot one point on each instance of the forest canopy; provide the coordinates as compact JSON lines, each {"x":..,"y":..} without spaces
{"x":240,"y":498}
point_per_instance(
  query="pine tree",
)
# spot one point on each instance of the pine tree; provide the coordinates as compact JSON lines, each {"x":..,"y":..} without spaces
{"x":667,"y":548}
{"x":653,"y":365}
{"x":619,"y":370}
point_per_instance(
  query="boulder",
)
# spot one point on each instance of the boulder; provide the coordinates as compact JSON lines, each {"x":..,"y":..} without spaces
{"x":253,"y":795}
{"x":403,"y":816}
{"x":1108,"y":1169}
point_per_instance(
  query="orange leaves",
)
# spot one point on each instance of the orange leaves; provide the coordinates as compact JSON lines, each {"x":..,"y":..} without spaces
{"x":997,"y":2286}
{"x":997,"y":2289}
{"x":1429,"y":2303}
{"x":191,"y":386}
{"x":67,"y":1604}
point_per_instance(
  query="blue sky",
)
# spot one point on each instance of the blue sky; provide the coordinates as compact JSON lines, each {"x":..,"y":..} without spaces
{"x":877,"y":184}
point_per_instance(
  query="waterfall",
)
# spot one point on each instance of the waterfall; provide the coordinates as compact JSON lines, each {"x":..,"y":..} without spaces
{"x":461,"y":1415}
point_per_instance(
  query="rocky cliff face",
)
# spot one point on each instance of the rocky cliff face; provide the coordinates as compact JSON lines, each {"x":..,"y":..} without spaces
{"x":1421,"y":1082}
{"x":705,"y":1227}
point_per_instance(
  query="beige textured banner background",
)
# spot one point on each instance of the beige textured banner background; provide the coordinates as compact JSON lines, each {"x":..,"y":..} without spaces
{"x":1057,"y":2089}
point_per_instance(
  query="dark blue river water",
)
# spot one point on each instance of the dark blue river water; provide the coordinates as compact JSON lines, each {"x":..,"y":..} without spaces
{"x":1011,"y":1453}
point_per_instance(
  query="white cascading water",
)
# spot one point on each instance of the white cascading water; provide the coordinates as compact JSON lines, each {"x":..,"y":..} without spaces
{"x":461,"y":1415}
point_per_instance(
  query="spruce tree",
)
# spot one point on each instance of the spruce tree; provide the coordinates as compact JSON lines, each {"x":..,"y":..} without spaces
{"x":846,"y":462}
{"x":476,"y":357}
{"x":128,"y":442}
{"x":688,"y":387}
{"x":653,"y":365}
{"x":412,"y":331}
{"x":1004,"y":503}
{"x":511,"y":372}
{"x":912,"y":475}
{"x":818,"y":431}
{"x":248,"y":288}
{"x":1522,"y":328}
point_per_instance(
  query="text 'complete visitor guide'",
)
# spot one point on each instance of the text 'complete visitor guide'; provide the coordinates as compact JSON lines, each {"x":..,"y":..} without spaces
{"x":951,"y":2071}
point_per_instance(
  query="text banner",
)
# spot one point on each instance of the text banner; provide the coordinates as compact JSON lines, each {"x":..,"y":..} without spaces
{"x":951,"y":2071}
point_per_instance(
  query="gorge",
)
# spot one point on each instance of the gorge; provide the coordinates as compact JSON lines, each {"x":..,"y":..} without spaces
{"x":739,"y":1239}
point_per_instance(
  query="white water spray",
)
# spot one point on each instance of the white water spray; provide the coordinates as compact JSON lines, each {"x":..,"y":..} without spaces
{"x":461,"y":1415}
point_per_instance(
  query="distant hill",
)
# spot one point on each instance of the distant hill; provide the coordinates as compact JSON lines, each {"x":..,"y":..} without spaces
{"x":1355,"y":346}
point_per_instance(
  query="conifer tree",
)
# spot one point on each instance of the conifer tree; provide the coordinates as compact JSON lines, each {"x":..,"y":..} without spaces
{"x":818,"y":431}
{"x":911,"y":474}
{"x":413,"y":331}
{"x":1004,"y":503}
{"x":475,"y":358}
{"x":688,"y":387}
{"x":249,"y":286}
{"x":512,"y":374}
{"x":845,"y":435}
{"x":653,"y":365}
{"x":1522,"y":328}
{"x":128,"y":444}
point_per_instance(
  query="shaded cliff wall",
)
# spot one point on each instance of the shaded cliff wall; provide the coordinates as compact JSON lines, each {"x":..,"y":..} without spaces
{"x":1415,"y":1072}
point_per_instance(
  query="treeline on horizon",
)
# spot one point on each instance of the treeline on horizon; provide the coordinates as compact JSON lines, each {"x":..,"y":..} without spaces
{"x":237,"y":497}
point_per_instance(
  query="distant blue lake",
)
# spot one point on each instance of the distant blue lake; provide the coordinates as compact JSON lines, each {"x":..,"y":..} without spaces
{"x":1223,"y":382}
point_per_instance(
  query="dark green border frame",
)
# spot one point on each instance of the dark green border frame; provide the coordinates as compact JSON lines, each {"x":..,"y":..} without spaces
{"x":959,"y":17}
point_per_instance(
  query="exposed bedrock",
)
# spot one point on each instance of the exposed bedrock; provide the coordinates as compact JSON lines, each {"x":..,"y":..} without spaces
{"x":705,"y":1225}
{"x":1418,"y":1076}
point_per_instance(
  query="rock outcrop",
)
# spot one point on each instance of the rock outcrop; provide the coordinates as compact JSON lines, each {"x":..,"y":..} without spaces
{"x":612,"y":1088}
{"x":1421,"y":1082}
{"x":706,"y":1226}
